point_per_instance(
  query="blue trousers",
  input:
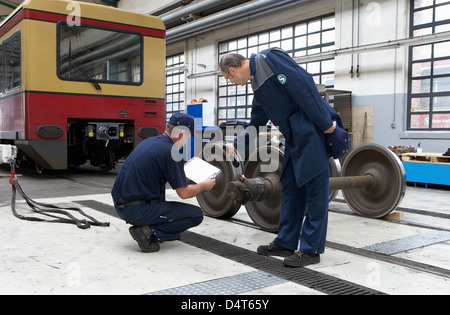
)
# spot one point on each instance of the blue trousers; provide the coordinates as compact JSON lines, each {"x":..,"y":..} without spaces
{"x":294,"y":226}
{"x":166,"y":219}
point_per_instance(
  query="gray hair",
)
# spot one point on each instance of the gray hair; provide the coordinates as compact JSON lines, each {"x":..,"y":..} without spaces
{"x":230,"y":60}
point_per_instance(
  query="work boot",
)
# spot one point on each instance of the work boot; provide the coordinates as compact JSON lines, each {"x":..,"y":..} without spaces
{"x":300,"y":259}
{"x":143,"y":235}
{"x":274,"y":250}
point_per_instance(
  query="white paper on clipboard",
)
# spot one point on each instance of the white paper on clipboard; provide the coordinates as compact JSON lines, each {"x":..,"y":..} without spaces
{"x":198,"y":170}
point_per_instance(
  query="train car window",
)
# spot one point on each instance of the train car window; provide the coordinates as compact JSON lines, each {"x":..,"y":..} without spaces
{"x":99,"y":55}
{"x":12,"y":62}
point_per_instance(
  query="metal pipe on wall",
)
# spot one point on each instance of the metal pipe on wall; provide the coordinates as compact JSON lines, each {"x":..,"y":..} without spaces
{"x":223,"y":19}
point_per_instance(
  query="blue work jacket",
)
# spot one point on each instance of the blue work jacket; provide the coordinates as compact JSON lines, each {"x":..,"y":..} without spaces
{"x":287,"y":95}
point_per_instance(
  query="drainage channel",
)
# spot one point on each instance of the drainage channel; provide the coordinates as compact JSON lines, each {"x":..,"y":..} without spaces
{"x":303,"y":276}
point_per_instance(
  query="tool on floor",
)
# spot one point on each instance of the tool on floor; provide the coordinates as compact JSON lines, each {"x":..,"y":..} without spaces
{"x":57,"y":214}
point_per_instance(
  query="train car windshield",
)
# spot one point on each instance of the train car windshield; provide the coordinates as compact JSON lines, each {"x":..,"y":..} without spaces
{"x":98,"y":55}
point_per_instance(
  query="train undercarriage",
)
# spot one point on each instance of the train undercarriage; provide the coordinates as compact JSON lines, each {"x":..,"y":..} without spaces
{"x":101,"y":142}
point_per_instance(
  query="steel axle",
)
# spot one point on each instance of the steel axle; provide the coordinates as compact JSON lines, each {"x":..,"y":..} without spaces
{"x":373,"y":183}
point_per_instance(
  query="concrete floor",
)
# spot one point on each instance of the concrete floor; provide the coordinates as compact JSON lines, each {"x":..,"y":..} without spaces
{"x":45,"y":258}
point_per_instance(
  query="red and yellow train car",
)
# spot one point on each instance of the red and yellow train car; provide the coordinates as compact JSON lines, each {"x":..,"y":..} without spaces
{"x":80,"y":82}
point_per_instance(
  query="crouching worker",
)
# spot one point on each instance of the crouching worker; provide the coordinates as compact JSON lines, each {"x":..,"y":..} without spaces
{"x":139,"y":190}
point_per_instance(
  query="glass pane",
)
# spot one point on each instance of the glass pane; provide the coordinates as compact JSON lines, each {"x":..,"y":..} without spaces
{"x":441,"y":67}
{"x":328,"y":66}
{"x":441,"y":121}
{"x":222,"y":114}
{"x":263,"y":38}
{"x":328,"y":23}
{"x":241,"y":112}
{"x":441,"y":103}
{"x":442,"y":28}
{"x":86,"y":53}
{"x":313,"y":51}
{"x":287,"y":32}
{"x":300,"y":53}
{"x":300,"y":42}
{"x":222,"y":81}
{"x":222,"y":101}
{"x":420,"y":104}
{"x":253,"y":50}
{"x":421,"y":69}
{"x":13,"y":62}
{"x":328,"y":80}
{"x":287,"y":45}
{"x":314,"y":67}
{"x":314,"y":26}
{"x":423,"y":31}
{"x":421,"y":86}
{"x":442,"y":13}
{"x":231,"y":113}
{"x":442,"y":50}
{"x":241,"y":89}
{"x":241,"y":101}
{"x":223,"y":91}
{"x":441,"y":84}
{"x":275,"y":35}
{"x":422,"y":3}
{"x":253,"y":40}
{"x":328,"y":37}
{"x":420,"y":121}
{"x":262,"y":47}
{"x":314,"y":40}
{"x":300,"y":29}
{"x":423,"y":17}
{"x":422,"y":52}
{"x":232,"y":45}
{"x":242,"y":43}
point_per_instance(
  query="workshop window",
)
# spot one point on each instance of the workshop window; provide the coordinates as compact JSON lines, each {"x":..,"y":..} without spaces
{"x":299,"y":39}
{"x":174,"y":85}
{"x":429,"y":68}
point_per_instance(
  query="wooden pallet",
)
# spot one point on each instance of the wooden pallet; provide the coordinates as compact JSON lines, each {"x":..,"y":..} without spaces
{"x":425,"y":157}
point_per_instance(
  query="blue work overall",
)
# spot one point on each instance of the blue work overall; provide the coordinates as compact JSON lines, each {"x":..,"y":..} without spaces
{"x":139,"y":192}
{"x":287,"y":95}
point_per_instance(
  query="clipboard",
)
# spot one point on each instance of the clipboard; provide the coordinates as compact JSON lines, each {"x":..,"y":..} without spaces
{"x":198,"y":170}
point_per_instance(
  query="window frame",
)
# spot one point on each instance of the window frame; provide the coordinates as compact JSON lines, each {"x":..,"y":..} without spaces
{"x":235,"y":94}
{"x":428,"y":96}
{"x":3,"y":81}
{"x":141,"y":51}
{"x":181,"y":73}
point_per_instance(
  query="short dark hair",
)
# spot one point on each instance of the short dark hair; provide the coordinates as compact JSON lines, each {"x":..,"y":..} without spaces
{"x":231,"y":60}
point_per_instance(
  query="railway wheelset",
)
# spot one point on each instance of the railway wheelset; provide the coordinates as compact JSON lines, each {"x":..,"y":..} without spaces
{"x":372,"y":180}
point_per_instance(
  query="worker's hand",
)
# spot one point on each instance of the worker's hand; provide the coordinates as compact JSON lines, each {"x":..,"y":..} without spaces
{"x":208,"y":184}
{"x":230,"y":149}
{"x":332,"y":128}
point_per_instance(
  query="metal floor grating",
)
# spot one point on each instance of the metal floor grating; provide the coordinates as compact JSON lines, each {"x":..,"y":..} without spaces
{"x":409,"y":243}
{"x":303,"y":276}
{"x":233,"y":285}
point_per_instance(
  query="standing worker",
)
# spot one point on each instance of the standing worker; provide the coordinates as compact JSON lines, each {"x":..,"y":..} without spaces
{"x":287,"y":95}
{"x":139,"y":190}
